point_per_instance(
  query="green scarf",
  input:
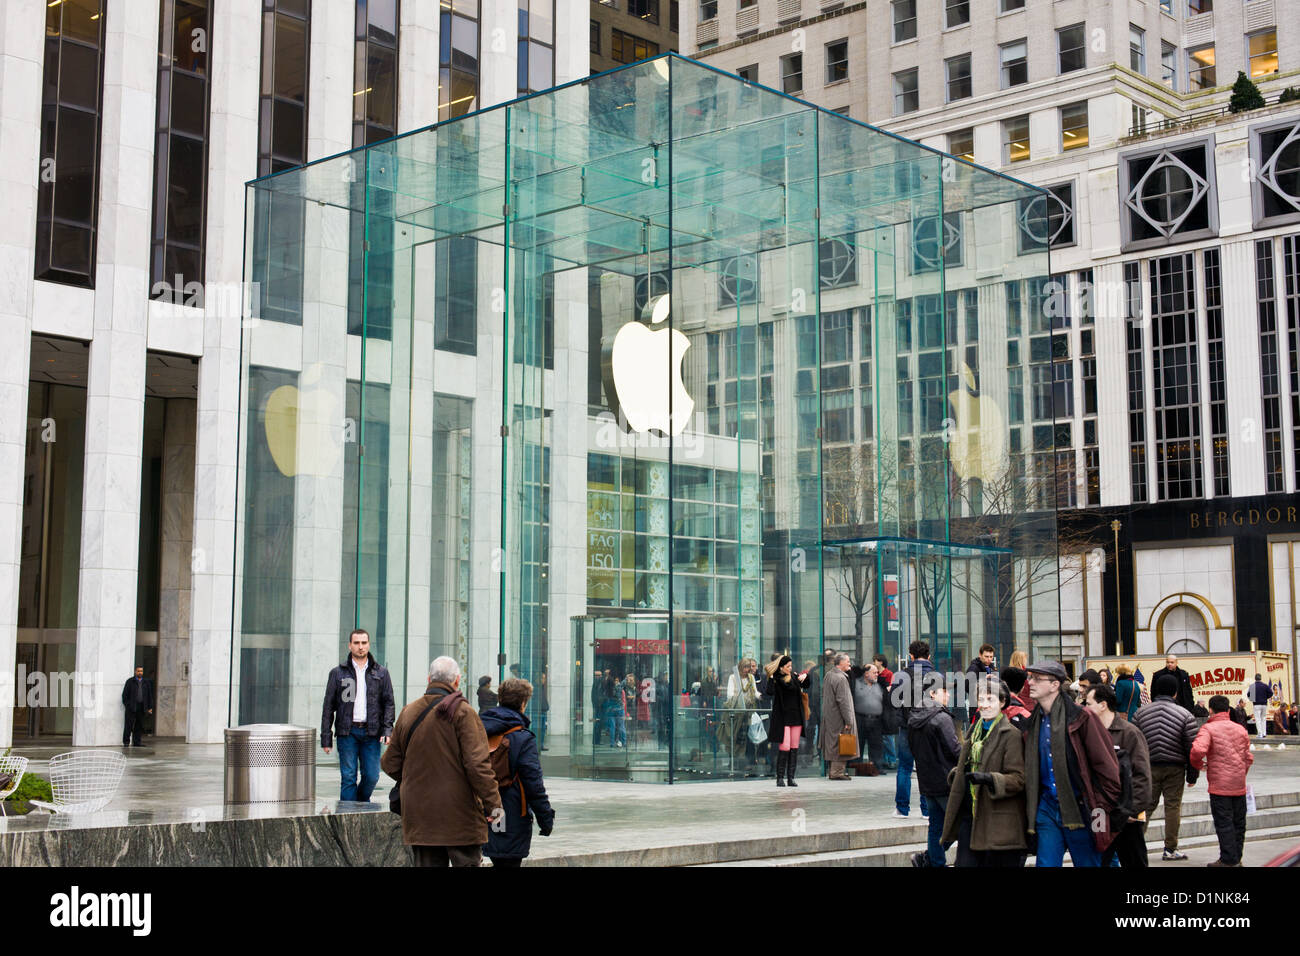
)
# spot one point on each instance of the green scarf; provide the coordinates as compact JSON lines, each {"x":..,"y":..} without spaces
{"x":1064,"y":789}
{"x":978,"y":738}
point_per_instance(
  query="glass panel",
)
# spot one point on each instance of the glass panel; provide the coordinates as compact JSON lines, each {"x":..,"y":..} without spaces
{"x":642,"y":366}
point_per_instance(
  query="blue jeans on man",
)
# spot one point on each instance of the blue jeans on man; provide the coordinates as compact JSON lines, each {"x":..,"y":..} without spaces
{"x":903,"y":787}
{"x":891,"y":753}
{"x":935,"y":850}
{"x":358,"y":747}
{"x":1054,"y":839}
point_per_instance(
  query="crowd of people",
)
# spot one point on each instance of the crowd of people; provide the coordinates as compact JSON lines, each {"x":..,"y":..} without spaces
{"x":1023,"y":761}
{"x":1029,"y":761}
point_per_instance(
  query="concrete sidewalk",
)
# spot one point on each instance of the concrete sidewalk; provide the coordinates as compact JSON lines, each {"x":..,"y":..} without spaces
{"x":620,"y":823}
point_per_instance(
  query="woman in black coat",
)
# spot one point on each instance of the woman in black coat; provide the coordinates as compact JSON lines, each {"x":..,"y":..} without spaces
{"x":525,"y":798}
{"x":787,"y":723}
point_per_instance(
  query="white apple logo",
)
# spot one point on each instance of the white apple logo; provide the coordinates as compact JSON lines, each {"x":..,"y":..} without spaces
{"x":304,"y":427}
{"x":978,"y":442}
{"x":639,"y":360}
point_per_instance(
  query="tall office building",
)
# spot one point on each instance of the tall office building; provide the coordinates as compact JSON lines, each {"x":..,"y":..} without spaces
{"x":128,"y":129}
{"x":1174,"y":386}
{"x":624,"y":31}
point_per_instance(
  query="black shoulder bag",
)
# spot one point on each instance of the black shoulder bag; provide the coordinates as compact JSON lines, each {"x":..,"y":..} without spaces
{"x":395,"y":795}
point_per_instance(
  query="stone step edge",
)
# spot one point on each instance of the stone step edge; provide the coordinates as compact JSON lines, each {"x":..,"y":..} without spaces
{"x":797,"y":844}
{"x":902,"y":855}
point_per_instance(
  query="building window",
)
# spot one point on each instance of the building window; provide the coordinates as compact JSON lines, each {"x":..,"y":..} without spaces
{"x":747,"y":3}
{"x":958,"y":75}
{"x":647,"y":10}
{"x":595,"y":37}
{"x":837,"y":61}
{"x":1269,"y":369}
{"x":961,"y":143}
{"x":837,"y":263}
{"x":1015,"y":63}
{"x":748,"y":73}
{"x":904,"y":20}
{"x":1291,"y":288}
{"x":1071,"y":49}
{"x":455,"y":303}
{"x":708,"y":10}
{"x":1015,"y":139}
{"x":626,"y":48}
{"x":1175,"y":375}
{"x":1169,"y":65}
{"x":1262,"y":49}
{"x":1200,"y":69}
{"x":1168,"y":195}
{"x":792,"y":73}
{"x":1006,"y":6}
{"x":67,"y":200}
{"x":956,"y":12}
{"x":286,"y":28}
{"x":1275,"y":151}
{"x":907,"y":98}
{"x":738,"y":282}
{"x":1217,"y":373}
{"x":936,"y":241}
{"x":374,"y":99}
{"x":1074,"y":126}
{"x":458,"y":62}
{"x":1137,"y":49}
{"x":535,"y":67}
{"x":674,"y":17}
{"x":1047,"y":220}
{"x":181,"y":154}
{"x":1137,"y":429}
{"x":1196,"y":7}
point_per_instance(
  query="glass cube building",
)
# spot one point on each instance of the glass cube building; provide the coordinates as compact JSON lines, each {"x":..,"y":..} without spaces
{"x":616,"y":386}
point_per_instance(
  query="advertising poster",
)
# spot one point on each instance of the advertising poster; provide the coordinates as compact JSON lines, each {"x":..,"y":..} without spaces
{"x":891,"y":601}
{"x":1211,"y":674}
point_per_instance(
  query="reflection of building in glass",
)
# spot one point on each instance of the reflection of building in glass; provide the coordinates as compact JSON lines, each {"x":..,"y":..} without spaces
{"x":747,"y":393}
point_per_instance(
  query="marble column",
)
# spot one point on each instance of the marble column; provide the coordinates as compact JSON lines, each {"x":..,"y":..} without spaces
{"x":315,"y":642}
{"x":232,"y":161}
{"x":20,"y":137}
{"x":110,"y":527}
{"x":172,"y":685}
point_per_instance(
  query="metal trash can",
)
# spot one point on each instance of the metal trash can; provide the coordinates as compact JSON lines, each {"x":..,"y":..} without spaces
{"x":270,"y":763}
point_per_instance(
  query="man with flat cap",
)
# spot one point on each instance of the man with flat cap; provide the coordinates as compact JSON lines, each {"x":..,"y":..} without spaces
{"x":1071,"y":774}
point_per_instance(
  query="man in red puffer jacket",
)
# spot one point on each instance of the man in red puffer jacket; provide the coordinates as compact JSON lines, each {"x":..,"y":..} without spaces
{"x":1222,"y":748}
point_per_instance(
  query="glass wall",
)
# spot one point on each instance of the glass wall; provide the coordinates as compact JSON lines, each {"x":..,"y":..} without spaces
{"x":674,"y":373}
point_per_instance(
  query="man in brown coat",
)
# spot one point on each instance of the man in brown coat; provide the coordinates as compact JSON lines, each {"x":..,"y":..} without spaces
{"x":449,"y":792}
{"x":837,"y":715}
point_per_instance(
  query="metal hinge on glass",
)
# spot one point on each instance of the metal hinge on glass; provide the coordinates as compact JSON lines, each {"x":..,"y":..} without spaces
{"x":505,"y":431}
{"x":361,"y":451}
{"x":365,"y":245}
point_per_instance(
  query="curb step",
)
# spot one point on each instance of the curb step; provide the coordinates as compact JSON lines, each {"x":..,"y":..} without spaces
{"x":1282,"y":822}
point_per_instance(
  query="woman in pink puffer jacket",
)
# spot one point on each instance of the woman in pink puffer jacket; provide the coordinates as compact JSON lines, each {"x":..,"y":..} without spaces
{"x":1222,"y":749}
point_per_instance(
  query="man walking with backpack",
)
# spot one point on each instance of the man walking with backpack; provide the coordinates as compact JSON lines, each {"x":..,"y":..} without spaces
{"x":909,"y":692}
{"x":1169,"y":731}
{"x":439,"y":758}
{"x":517,"y":767}
{"x":1071,"y":774}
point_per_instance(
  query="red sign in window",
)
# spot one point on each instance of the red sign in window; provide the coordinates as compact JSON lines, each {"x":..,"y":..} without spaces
{"x":614,"y":646}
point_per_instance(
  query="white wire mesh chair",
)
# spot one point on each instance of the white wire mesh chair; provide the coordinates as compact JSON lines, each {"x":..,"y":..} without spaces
{"x":83,"y":781}
{"x":16,"y":766}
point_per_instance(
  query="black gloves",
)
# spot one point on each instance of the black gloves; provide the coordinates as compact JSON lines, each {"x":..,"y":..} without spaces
{"x":980,"y":779}
{"x":1192,"y":776}
{"x":545,"y":830}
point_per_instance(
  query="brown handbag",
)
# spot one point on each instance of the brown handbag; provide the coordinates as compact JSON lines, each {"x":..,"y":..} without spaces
{"x":807,"y":711}
{"x":848,"y":745}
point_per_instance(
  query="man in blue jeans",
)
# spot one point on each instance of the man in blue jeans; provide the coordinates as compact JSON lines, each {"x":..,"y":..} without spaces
{"x":359,"y":704}
{"x":907,"y":691}
{"x":1071,"y":774}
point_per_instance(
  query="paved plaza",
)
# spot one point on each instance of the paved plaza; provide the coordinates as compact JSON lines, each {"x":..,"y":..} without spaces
{"x":750,"y":822}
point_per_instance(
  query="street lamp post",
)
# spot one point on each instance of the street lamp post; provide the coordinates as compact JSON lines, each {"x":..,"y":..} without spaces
{"x":1119,"y":615}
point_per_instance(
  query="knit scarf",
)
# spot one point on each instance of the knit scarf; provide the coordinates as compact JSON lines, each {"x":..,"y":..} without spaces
{"x":1060,"y":765}
{"x":978,"y":738}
